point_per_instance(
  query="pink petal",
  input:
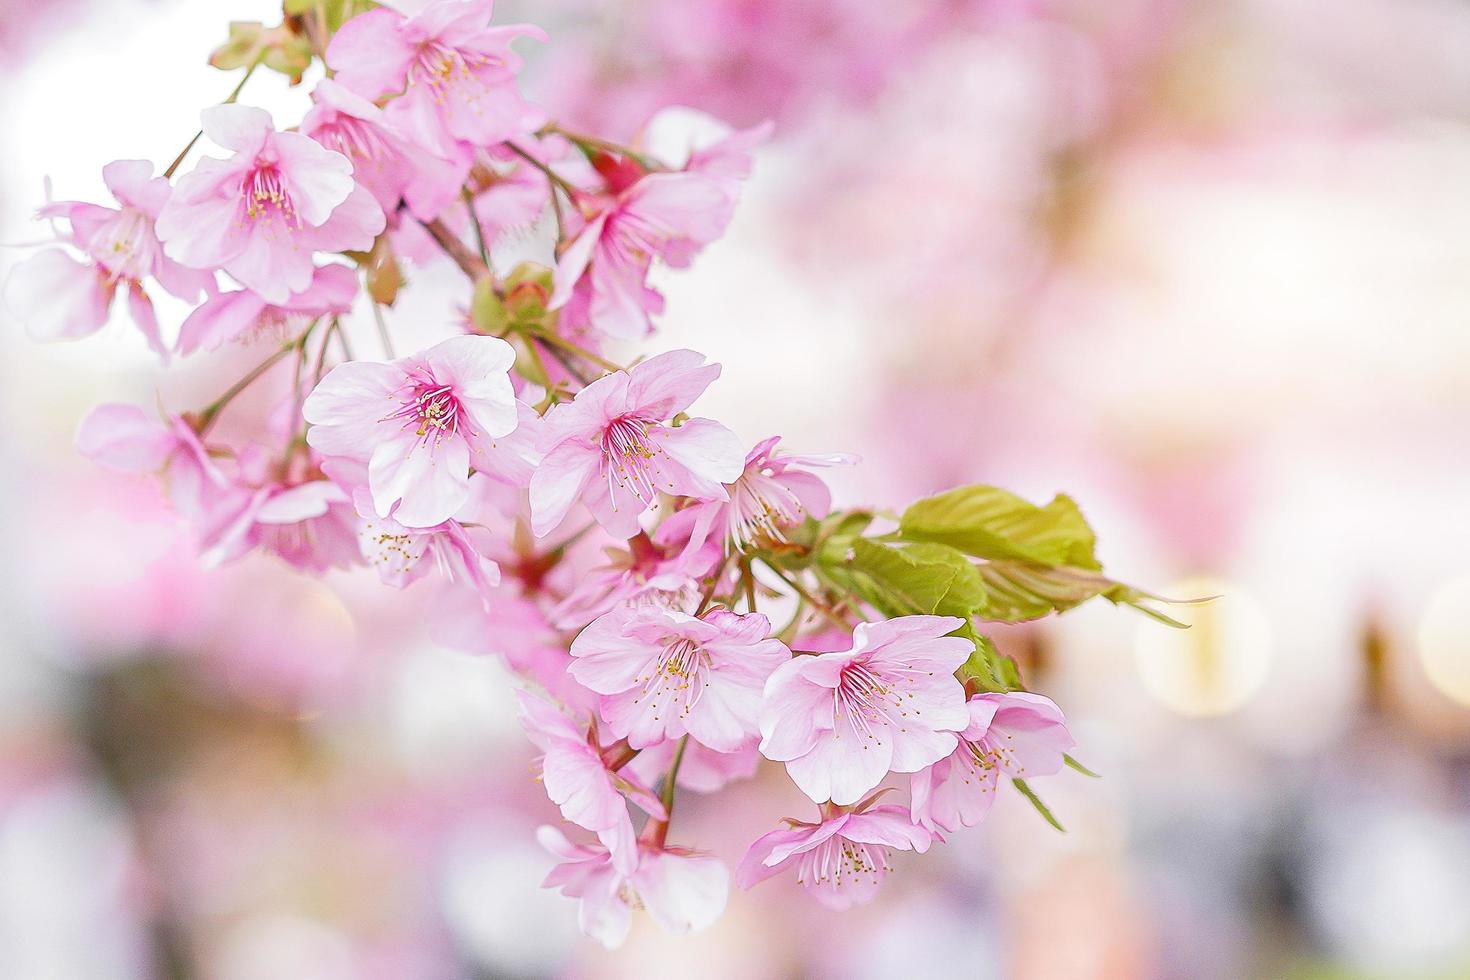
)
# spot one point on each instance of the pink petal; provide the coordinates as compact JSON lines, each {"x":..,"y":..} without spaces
{"x":57,"y":297}
{"x":370,"y":54}
{"x":241,"y":128}
{"x":125,"y":438}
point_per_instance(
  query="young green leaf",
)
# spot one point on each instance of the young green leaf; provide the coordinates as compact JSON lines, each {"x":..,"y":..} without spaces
{"x":1041,"y":808}
{"x":1079,"y":767}
{"x":988,"y":522}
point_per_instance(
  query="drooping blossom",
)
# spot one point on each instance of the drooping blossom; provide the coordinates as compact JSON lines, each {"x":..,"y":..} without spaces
{"x":420,"y":423}
{"x":581,"y":784}
{"x":508,"y":625}
{"x":61,"y":298}
{"x":691,"y":140}
{"x":612,"y":447}
{"x":683,"y":890}
{"x":244,"y":315}
{"x":701,"y":769}
{"x":460,"y":550}
{"x":841,"y":721}
{"x":387,"y":164}
{"x":666,"y":216}
{"x":1017,"y":733}
{"x":842,"y":860}
{"x":264,"y":212}
{"x":664,"y":674}
{"x":647,"y":572}
{"x":773,"y":493}
{"x":123,"y":437}
{"x":453,"y":74}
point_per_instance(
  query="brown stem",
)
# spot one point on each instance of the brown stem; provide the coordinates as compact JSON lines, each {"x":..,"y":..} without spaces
{"x":457,"y":250}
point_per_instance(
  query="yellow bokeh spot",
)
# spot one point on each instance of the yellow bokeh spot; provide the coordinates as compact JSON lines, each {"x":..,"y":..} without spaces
{"x":1217,"y":664}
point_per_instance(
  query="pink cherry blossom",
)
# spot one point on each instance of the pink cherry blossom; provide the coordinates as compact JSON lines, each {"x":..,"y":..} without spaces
{"x":384,"y":162}
{"x":580,"y":783}
{"x":683,"y":890}
{"x":664,"y":674}
{"x":773,"y":493}
{"x":460,"y":549}
{"x":244,"y":315}
{"x":310,"y":525}
{"x":842,"y":861}
{"x":1019,"y":734}
{"x":455,"y":73}
{"x":512,"y":626}
{"x":61,"y":298}
{"x":611,"y":446}
{"x":648,"y":572}
{"x":264,"y":212}
{"x":668,"y":216}
{"x":419,"y":422}
{"x":123,"y":437}
{"x":701,"y":769}
{"x":841,"y":721}
{"x":687,"y":139}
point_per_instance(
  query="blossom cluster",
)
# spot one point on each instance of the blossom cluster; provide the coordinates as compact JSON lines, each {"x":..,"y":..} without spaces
{"x":564,"y":510}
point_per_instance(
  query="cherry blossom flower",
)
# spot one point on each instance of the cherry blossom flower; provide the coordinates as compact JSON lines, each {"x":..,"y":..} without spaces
{"x":123,"y":437}
{"x":310,"y":525}
{"x":579,"y":782}
{"x":61,"y":298}
{"x":419,"y":422}
{"x":841,"y":721}
{"x":261,"y":214}
{"x":244,"y":315}
{"x":455,"y":73}
{"x":384,"y":162}
{"x":611,"y":448}
{"x":771,"y":494}
{"x":668,"y":216}
{"x":664,"y":674}
{"x":842,"y":861}
{"x":647,"y":572}
{"x":1017,"y":733}
{"x":683,"y":890}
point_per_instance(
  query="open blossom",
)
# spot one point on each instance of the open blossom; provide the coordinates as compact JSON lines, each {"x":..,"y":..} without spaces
{"x":579,"y":782}
{"x":388,"y":165}
{"x":648,"y":572}
{"x":667,"y":216}
{"x":1016,"y":733}
{"x":841,"y":721}
{"x":774,"y":492}
{"x":455,"y":73}
{"x":683,"y":890}
{"x":841,"y":861}
{"x":611,"y":446}
{"x":244,"y":315}
{"x":262,"y":214}
{"x":123,"y":437}
{"x":420,"y":423}
{"x":664,"y":674}
{"x":61,"y":298}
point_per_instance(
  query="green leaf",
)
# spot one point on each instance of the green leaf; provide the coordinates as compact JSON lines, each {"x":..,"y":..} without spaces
{"x":1079,"y":767}
{"x":931,"y":579}
{"x":991,"y":523}
{"x":987,"y":667}
{"x":1041,"y":808}
{"x":1019,"y":591}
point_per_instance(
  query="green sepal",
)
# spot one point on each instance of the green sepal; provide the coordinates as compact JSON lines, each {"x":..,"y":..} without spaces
{"x":1041,"y":807}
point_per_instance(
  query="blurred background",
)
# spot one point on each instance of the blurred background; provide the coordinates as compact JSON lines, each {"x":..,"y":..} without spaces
{"x":1202,"y":265}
